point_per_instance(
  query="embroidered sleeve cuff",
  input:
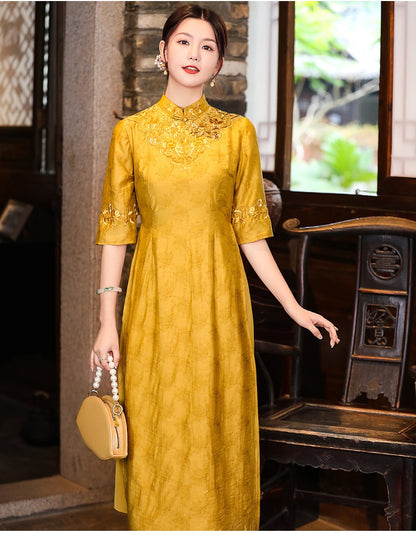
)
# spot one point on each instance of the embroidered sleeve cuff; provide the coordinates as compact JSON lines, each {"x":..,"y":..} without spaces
{"x":117,"y":227}
{"x":251,"y":223}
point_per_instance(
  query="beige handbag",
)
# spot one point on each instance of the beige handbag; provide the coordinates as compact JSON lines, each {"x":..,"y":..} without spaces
{"x":101,"y":421}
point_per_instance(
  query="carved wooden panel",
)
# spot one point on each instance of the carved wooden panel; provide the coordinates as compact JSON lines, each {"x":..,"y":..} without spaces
{"x":384,"y":266}
{"x":374,"y":381}
{"x":380,"y":324}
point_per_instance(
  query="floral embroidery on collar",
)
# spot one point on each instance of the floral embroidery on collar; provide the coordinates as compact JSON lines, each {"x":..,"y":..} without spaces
{"x":183,"y":134}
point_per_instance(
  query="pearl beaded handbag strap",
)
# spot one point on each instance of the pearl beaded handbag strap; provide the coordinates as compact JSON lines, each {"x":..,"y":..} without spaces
{"x":117,"y":407}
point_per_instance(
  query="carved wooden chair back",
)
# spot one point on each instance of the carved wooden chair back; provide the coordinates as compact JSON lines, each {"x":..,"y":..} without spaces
{"x":382,"y":308}
{"x":382,"y":312}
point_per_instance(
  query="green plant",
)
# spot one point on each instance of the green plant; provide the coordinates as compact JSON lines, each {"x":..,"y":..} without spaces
{"x":345,"y":162}
{"x":343,"y":166}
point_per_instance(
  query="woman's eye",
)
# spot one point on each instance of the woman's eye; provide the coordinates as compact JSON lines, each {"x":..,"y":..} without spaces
{"x":183,"y":41}
{"x":207,"y":47}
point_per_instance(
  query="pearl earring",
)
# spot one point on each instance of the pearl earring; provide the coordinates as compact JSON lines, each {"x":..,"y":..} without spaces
{"x":161,"y":64}
{"x":212,"y":82}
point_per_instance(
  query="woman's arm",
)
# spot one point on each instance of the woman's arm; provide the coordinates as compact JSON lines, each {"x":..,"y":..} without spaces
{"x":262,"y":261}
{"x":112,"y":260}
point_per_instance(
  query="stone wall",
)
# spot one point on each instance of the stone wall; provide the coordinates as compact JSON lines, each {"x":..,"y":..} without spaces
{"x":144,"y":83}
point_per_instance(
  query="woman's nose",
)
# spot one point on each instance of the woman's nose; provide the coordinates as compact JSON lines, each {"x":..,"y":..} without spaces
{"x":194,"y":53}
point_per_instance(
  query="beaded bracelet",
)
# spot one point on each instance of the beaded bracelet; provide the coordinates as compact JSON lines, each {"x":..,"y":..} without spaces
{"x":110,"y":288}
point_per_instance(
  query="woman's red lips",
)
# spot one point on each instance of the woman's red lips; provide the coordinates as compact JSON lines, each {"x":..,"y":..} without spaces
{"x":191,"y":69}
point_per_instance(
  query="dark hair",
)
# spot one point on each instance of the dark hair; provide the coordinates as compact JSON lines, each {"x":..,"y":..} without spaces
{"x":193,"y":11}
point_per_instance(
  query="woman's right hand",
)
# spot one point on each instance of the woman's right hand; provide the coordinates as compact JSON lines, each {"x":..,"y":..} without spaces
{"x":107,"y":341}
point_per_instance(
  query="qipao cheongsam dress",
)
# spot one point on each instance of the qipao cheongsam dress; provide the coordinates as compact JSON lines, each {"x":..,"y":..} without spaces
{"x":187,"y":370}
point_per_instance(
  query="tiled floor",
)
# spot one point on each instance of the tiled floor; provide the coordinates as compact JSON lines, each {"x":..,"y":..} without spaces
{"x":103,"y":517}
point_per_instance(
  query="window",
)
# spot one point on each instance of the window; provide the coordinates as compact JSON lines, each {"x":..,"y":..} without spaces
{"x":386,"y":187}
{"x":335,"y":115}
{"x":17,"y":49}
{"x":404,"y":107}
{"x":28,"y":100}
{"x":263,"y":28}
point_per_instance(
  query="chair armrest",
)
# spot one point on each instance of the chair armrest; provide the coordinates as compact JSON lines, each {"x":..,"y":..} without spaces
{"x":361,"y":225}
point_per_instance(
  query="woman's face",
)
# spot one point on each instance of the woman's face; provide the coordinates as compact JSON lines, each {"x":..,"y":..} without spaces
{"x":191,"y":53}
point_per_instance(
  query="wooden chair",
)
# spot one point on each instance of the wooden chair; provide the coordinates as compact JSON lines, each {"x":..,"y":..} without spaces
{"x":352,"y":435}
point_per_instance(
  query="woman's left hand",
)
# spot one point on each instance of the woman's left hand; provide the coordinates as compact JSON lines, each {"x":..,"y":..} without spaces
{"x":311,"y":321}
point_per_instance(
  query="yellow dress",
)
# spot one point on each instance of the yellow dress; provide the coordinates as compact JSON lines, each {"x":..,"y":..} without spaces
{"x":187,"y":358}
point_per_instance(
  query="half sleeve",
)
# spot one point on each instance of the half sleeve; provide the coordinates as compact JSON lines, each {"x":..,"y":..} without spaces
{"x":250,"y":217}
{"x":118,"y":218}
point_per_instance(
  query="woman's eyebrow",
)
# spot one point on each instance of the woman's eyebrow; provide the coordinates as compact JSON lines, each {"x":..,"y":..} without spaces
{"x":189,"y":35}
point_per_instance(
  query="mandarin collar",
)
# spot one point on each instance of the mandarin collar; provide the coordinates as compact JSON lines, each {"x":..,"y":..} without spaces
{"x":190,"y":112}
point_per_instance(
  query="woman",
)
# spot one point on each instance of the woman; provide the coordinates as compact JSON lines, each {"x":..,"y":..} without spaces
{"x":186,"y":346}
